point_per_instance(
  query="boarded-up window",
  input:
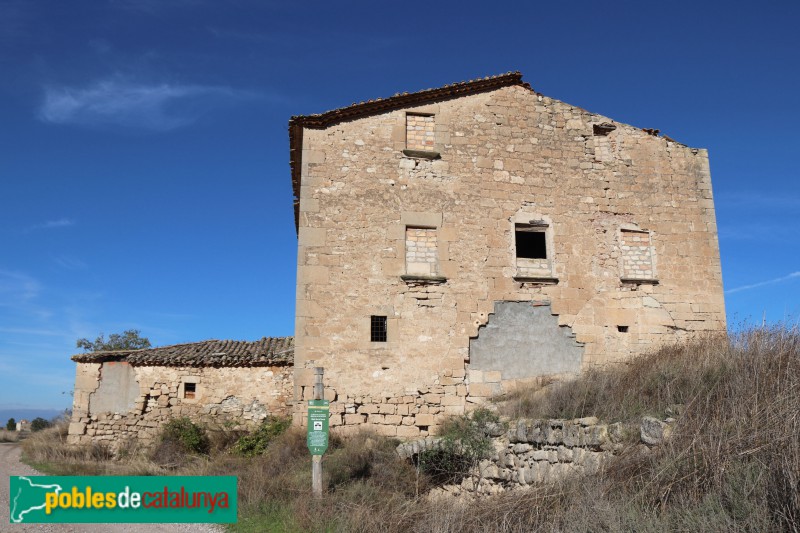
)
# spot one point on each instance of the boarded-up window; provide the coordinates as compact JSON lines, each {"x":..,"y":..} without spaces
{"x":189,"y":390}
{"x":421,"y":259}
{"x":637,"y":255}
{"x":420,"y":132}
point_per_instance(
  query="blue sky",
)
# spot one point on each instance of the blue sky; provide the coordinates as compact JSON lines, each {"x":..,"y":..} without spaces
{"x":144,"y":150}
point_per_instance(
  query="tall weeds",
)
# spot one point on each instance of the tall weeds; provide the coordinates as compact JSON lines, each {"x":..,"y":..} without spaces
{"x":732,"y":462}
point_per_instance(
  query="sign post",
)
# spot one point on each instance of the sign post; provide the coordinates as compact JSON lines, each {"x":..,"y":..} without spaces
{"x":317,"y":435}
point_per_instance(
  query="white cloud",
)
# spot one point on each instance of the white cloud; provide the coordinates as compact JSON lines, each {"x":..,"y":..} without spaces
{"x":763,"y":283}
{"x":52,"y":224}
{"x":119,"y":102}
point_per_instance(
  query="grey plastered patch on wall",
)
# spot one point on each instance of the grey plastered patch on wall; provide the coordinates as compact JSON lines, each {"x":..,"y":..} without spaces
{"x":523,"y":340}
{"x":118,"y":389}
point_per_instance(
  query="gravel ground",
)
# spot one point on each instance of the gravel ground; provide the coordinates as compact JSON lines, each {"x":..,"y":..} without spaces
{"x":10,"y":465}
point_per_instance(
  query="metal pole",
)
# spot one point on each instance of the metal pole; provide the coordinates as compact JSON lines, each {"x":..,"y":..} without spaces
{"x":316,"y":460}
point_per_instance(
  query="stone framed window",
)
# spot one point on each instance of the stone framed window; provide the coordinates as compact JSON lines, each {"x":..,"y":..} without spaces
{"x":189,"y":389}
{"x":637,"y":261}
{"x":533,"y":252}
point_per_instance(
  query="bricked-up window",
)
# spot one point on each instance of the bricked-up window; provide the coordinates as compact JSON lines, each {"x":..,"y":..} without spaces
{"x":421,"y":256}
{"x":377,"y":329}
{"x":637,"y":255}
{"x":189,"y":390}
{"x":420,"y":132}
{"x":531,"y":242}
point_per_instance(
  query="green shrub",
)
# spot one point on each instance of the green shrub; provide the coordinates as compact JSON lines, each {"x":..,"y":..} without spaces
{"x":39,"y":424}
{"x":256,"y":443}
{"x":11,"y":425}
{"x":191,"y":437}
{"x":466,"y":441}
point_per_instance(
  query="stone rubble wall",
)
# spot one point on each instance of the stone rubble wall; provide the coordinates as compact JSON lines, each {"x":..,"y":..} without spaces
{"x":535,"y":451}
{"x":229,"y":398}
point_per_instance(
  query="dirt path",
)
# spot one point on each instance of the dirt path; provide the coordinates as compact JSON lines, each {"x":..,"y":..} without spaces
{"x":10,"y":465}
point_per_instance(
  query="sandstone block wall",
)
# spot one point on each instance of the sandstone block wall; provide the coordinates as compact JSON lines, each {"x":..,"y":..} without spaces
{"x":632,"y":258}
{"x":232,"y":398}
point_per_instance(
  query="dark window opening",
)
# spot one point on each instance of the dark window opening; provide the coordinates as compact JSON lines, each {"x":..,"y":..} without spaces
{"x":189,"y":390}
{"x":377,"y":329}
{"x":622,"y":329}
{"x":531,"y":244}
{"x":603,"y":129}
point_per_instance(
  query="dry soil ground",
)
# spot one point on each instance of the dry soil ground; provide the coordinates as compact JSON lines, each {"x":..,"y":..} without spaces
{"x":10,"y":465}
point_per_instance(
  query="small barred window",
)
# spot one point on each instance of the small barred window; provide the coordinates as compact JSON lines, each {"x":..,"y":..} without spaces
{"x":377,"y":330}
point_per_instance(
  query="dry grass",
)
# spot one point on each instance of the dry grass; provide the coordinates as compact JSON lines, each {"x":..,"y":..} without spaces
{"x":47,"y":450}
{"x":8,"y":436}
{"x":732,"y":463}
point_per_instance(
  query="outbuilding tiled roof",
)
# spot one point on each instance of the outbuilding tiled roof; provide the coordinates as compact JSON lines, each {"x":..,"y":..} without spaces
{"x":383,"y":105}
{"x":268,"y":351}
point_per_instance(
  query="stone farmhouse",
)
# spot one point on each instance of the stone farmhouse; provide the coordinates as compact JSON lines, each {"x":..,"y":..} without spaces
{"x":129,"y":394}
{"x":455,"y":241}
{"x":452,"y":243}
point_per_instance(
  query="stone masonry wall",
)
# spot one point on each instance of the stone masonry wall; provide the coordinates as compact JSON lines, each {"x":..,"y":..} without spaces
{"x":507,"y":158}
{"x":535,"y":451}
{"x":224,"y":397}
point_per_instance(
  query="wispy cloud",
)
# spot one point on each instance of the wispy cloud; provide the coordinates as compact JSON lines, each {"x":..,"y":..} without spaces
{"x":70,"y":263}
{"x":764,"y":283}
{"x":16,"y":288}
{"x":121,"y":102}
{"x":38,"y":332}
{"x":52,"y":224}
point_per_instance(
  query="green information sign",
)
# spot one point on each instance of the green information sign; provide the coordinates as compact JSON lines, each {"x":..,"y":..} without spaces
{"x":317,"y":438}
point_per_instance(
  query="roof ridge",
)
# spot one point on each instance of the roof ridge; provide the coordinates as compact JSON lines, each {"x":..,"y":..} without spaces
{"x":265,"y":346}
{"x":382,"y":105}
{"x":403,"y":99}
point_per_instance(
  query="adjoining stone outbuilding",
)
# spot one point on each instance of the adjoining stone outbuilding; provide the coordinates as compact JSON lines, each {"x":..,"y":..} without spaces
{"x":454,"y":241}
{"x":130,"y":394}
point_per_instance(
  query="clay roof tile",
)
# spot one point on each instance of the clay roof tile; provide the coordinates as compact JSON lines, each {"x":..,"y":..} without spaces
{"x":268,"y":351}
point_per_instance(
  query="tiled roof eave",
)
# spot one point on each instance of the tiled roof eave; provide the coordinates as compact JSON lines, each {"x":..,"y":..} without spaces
{"x":269,"y":351}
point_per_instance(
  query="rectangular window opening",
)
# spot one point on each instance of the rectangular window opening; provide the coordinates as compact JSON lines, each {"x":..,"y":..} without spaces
{"x":377,"y":329}
{"x":530,"y":244}
{"x":189,"y":390}
{"x":622,"y":329}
